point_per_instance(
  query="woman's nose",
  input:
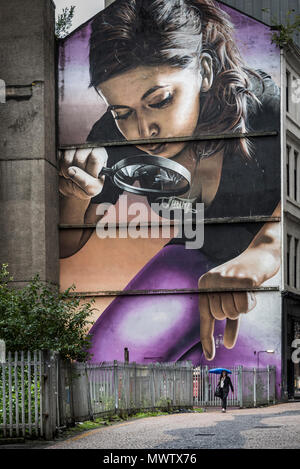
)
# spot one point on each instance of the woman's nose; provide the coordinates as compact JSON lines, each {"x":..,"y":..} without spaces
{"x":147,"y":129}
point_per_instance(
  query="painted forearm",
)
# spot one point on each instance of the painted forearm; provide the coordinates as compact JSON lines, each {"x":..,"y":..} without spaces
{"x":72,"y":212}
{"x":266,"y":248}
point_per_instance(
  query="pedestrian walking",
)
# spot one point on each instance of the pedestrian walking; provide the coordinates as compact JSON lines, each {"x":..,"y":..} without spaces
{"x":225,"y":383}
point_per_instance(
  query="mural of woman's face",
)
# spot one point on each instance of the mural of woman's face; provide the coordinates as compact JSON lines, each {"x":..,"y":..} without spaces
{"x":157,"y":102}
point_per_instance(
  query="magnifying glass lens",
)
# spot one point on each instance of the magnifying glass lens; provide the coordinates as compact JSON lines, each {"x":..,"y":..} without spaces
{"x":148,"y":175}
{"x":152,"y":178}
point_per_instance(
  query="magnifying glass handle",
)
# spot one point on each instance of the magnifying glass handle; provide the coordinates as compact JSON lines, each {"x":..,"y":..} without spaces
{"x":106,"y":172}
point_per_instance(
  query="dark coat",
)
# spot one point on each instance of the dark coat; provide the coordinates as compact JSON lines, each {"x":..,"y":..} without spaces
{"x":227,"y":384}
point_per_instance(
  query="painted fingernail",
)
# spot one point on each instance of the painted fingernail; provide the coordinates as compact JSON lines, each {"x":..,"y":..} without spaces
{"x":208,"y":354}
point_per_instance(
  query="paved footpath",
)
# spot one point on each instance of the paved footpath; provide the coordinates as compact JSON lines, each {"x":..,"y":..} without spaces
{"x":269,"y":428}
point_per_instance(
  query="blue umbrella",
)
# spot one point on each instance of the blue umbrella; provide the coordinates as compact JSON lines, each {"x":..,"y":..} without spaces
{"x":218,"y":371}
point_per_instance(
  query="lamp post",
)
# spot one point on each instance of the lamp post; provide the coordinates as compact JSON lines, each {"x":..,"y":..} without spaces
{"x":262,"y":351}
{"x":219,"y":341}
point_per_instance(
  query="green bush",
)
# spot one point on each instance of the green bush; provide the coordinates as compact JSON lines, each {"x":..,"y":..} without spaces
{"x":39,"y":317}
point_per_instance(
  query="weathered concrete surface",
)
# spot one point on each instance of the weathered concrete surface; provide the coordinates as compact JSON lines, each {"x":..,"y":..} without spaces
{"x":28,"y":235}
{"x":271,"y":427}
{"x":28,"y":173}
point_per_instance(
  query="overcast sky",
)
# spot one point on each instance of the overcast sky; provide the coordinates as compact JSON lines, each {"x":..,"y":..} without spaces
{"x":84,"y":10}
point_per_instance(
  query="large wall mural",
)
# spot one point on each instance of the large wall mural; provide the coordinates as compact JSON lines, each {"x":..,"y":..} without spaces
{"x":149,"y":94}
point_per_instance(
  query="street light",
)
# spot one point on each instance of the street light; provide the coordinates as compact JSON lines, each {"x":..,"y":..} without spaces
{"x":262,"y":351}
{"x":219,"y":341}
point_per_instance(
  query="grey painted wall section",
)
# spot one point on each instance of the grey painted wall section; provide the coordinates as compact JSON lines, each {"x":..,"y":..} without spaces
{"x":278,"y":10}
{"x":28,"y":173}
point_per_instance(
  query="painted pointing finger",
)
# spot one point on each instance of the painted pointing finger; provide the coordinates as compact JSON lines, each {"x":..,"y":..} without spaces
{"x":207,"y":323}
{"x":231,"y":332}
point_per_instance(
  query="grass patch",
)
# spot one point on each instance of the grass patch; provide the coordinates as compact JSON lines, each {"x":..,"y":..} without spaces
{"x":142,"y":415}
{"x":101,"y":422}
{"x":104,"y":422}
{"x":200,"y":410}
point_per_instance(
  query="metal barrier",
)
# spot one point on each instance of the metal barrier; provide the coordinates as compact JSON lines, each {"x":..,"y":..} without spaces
{"x":258,"y":386}
{"x":204,"y":386}
{"x":40,"y":393}
{"x":20,"y":394}
{"x":252,"y":387}
{"x":99,"y":388}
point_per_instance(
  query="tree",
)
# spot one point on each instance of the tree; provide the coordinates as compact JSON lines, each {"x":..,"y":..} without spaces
{"x":64,"y":22}
{"x":39,"y":317}
{"x":284,"y":33}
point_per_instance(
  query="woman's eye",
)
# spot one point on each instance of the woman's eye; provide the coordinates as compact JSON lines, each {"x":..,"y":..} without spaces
{"x":121,"y":116}
{"x":164,"y":102}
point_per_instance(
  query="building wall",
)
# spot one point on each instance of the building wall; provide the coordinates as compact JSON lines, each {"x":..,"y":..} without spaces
{"x":28,"y":172}
{"x":291,"y":73}
{"x":147,"y":296}
{"x":291,"y":217}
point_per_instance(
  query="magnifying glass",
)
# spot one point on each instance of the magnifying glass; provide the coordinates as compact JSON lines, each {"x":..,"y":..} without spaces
{"x":146,"y":175}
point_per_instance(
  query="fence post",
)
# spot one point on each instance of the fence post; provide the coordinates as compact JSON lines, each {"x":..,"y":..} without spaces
{"x":49,"y":394}
{"x":206,"y":385}
{"x":116,"y":386}
{"x":268,"y":384}
{"x":190,"y":374}
{"x":173,"y":402}
{"x":134,"y":384}
{"x":254,"y":387}
{"x":152,"y":386}
{"x":2,"y":351}
{"x":70,"y":419}
{"x":89,"y":397}
{"x":273,"y":371}
{"x":240,"y":386}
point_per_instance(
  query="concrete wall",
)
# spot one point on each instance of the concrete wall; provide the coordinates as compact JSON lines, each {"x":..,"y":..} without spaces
{"x":28,"y":173}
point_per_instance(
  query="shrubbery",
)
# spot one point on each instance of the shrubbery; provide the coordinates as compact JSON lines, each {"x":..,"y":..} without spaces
{"x":39,"y":317}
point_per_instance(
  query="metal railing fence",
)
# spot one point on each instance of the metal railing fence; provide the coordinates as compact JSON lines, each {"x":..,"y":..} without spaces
{"x":40,"y":392}
{"x":252,"y":387}
{"x":258,"y":386}
{"x":20,"y":394}
{"x":204,"y":386}
{"x":117,"y":386}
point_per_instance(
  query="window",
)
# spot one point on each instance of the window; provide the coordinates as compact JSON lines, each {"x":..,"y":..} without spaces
{"x":288,"y":90}
{"x":288,"y":151}
{"x":288,"y":254}
{"x":296,"y":154}
{"x":296,"y":267}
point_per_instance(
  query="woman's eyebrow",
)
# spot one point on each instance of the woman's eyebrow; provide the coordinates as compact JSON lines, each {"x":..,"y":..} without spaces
{"x":151,"y":90}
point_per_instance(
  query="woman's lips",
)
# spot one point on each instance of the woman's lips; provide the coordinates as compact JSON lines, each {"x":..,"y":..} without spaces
{"x":154,"y":149}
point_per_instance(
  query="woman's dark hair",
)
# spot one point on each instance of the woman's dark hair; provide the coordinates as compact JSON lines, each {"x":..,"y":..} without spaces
{"x":134,"y":33}
{"x":221,"y":375}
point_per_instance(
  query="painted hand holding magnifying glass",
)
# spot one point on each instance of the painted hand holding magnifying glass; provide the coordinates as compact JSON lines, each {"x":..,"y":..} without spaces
{"x":83,"y":173}
{"x":79,"y":171}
